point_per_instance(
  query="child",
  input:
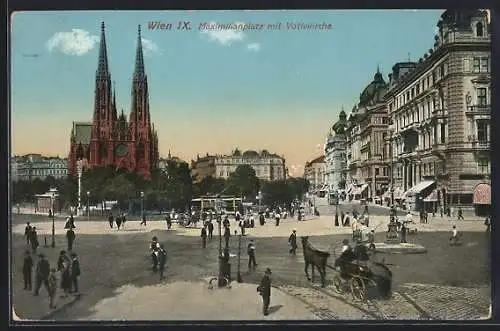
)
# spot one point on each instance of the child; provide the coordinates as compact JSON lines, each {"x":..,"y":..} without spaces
{"x":52,"y":287}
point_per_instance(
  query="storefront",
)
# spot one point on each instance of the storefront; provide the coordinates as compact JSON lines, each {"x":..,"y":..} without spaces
{"x":481,"y":199}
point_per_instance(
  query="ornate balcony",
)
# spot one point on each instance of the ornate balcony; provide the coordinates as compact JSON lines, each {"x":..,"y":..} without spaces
{"x":481,"y":145}
{"x":478,"y":110}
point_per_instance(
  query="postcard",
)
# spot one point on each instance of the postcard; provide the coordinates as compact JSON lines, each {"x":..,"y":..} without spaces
{"x":251,"y":165}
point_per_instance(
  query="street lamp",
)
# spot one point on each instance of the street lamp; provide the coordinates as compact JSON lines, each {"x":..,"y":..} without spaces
{"x":52,"y":198}
{"x":88,"y":205}
{"x":392,"y":162}
{"x":238,"y":276}
{"x":259,"y":197}
{"x":142,"y":205}
{"x":221,"y":281}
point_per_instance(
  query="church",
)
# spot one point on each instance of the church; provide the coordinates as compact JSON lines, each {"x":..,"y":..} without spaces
{"x":111,"y":140}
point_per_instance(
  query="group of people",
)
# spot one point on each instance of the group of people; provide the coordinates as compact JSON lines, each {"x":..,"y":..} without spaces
{"x":69,"y":269}
{"x":119,"y":220}
{"x":31,"y":236}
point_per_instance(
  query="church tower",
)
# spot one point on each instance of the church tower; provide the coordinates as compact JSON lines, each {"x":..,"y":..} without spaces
{"x":104,"y":111}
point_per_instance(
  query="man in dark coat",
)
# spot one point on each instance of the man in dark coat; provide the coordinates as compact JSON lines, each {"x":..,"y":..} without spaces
{"x":27,"y":232}
{"x":162,"y":260}
{"x":42,"y":274}
{"x":264,"y":290}
{"x":75,"y":272}
{"x":27,"y":270}
{"x":292,"y":240}
{"x":143,"y":222}
{"x":168,"y":219}
{"x":119,"y":221}
{"x":34,"y":239}
{"x":227,"y":234}
{"x":251,"y":255}
{"x":70,"y":236}
{"x":262,"y":219}
{"x":111,"y":220}
{"x":210,"y":227}
{"x":204,"y":237}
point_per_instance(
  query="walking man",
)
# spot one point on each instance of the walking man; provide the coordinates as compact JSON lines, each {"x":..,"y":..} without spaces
{"x":27,"y":232}
{"x":42,"y":274}
{"x":27,"y":270}
{"x":143,"y":222}
{"x":460,"y":214}
{"x":204,"y":237}
{"x":210,"y":227}
{"x":168,"y":219}
{"x":277,"y":218}
{"x":34,"y":239}
{"x":52,"y":288}
{"x":264,"y":290}
{"x":227,"y":234}
{"x":162,"y":260}
{"x":70,"y":236}
{"x":251,"y":255}
{"x":111,"y":220}
{"x":292,"y":240}
{"x":75,"y":272}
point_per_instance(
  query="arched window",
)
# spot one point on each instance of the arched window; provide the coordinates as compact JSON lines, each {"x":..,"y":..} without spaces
{"x":479,"y":29}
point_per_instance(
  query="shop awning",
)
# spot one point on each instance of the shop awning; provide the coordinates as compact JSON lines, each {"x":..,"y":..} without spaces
{"x":482,"y":195}
{"x":418,"y":188}
{"x":433,"y":197}
{"x":359,"y":190}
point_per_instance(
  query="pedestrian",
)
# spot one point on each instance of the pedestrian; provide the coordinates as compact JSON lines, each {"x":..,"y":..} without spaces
{"x":454,"y":234}
{"x":342,"y":216}
{"x":277,"y":217}
{"x":119,"y":222}
{"x":252,"y":221}
{"x":251,"y":255}
{"x":154,"y":247}
{"x":124,"y":219}
{"x":143,"y":222}
{"x":460,"y":214}
{"x":242,"y":227}
{"x":65,"y":277}
{"x":262,"y":219}
{"x":75,"y":272}
{"x":227,"y":234}
{"x":487,"y":223}
{"x":72,"y":221}
{"x":264,"y":290}
{"x":52,"y":288}
{"x":292,"y":240}
{"x":42,"y":274}
{"x":111,"y":220}
{"x":27,"y":232}
{"x":347,"y":219}
{"x":168,"y":219}
{"x":426,"y":217}
{"x":203,"y":237}
{"x":162,"y":260}
{"x":70,"y":236}
{"x":210,"y":227}
{"x":62,"y":258}
{"x":27,"y":270}
{"x":34,"y":240}
{"x":403,"y":232}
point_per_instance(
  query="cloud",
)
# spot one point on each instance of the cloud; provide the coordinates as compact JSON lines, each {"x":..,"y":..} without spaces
{"x":149,"y":47}
{"x":254,"y":47}
{"x":77,"y":42}
{"x":218,"y":32}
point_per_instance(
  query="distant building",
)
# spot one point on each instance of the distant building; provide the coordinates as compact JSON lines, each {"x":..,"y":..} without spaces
{"x":31,"y":166}
{"x":164,"y":162}
{"x":203,"y":167}
{"x":335,"y":155}
{"x":315,"y":173}
{"x":267,"y":166}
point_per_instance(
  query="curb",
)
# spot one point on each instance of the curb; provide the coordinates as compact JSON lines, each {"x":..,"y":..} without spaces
{"x":400,"y":249}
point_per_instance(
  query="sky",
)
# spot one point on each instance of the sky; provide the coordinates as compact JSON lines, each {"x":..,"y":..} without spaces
{"x":210,"y":90}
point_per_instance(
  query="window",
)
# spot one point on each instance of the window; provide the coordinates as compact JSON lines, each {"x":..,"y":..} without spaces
{"x":221,"y":174}
{"x":443,"y":133}
{"x":412,"y":93}
{"x":434,"y":76}
{"x":418,"y":89}
{"x":408,"y":96}
{"x":377,"y":171}
{"x":482,"y":131}
{"x":479,"y":29}
{"x":483,"y":166}
{"x":481,"y":96}
{"x":476,"y":64}
{"x":428,"y":81}
{"x":485,"y":64}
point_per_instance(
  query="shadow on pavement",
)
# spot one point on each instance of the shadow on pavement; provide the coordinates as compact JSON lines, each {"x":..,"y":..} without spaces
{"x":274,"y":309}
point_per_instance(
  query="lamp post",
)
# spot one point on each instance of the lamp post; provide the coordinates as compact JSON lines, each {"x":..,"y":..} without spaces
{"x":142,"y":205}
{"x":88,"y":205}
{"x":238,"y":276}
{"x":337,"y":210}
{"x":52,"y":197}
{"x":221,"y":282}
{"x":392,"y":162}
{"x":259,"y":197}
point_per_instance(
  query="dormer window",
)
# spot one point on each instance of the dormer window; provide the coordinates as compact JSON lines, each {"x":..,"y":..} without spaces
{"x":479,"y":29}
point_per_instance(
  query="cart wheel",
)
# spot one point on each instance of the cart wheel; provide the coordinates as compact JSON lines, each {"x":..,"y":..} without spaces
{"x":358,"y":289}
{"x":337,"y":283}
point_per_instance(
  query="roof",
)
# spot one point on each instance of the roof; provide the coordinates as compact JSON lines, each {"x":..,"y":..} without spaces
{"x":319,"y":159}
{"x":81,"y":131}
{"x":375,"y":91}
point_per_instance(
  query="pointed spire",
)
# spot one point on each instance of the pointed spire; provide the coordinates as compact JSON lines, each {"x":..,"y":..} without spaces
{"x":169,"y":156}
{"x":139,"y":57}
{"x":378,"y":68}
{"x":102,"y":68}
{"x":114,"y":93}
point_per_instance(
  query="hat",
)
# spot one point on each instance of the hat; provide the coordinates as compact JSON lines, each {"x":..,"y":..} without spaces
{"x":294,"y":230}
{"x":268,"y":271}
{"x":345,"y":241}
{"x":73,"y":254}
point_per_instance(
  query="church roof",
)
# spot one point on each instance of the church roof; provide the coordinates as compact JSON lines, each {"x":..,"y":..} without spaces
{"x":81,"y":131}
{"x":250,"y":153}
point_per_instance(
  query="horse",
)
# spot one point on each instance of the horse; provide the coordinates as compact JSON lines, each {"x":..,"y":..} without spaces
{"x":316,"y":258}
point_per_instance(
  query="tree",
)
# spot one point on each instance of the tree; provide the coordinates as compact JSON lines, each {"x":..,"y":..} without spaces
{"x":210,"y":185}
{"x":277,"y":193}
{"x":243,"y":181}
{"x":299,"y":186}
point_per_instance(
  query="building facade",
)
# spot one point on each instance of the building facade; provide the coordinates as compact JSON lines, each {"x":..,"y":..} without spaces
{"x":315,"y":173}
{"x":440,"y":107}
{"x":203,"y":167}
{"x":33,"y":166}
{"x":336,"y":155}
{"x":110,"y":139}
{"x":267,"y":166}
